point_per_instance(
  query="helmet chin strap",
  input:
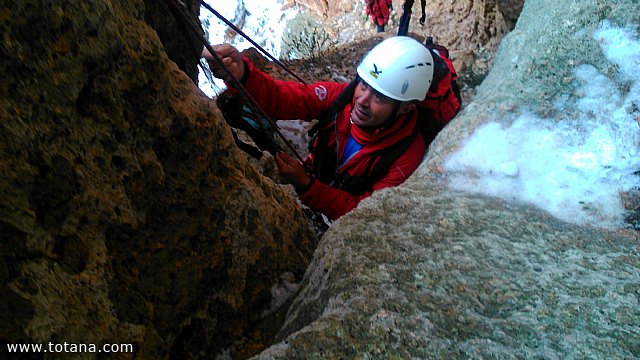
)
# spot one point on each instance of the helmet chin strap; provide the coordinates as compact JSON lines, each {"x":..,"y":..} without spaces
{"x":393,"y":117}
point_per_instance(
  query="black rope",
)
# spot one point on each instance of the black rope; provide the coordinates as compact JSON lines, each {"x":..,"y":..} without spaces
{"x":236,"y":29}
{"x":179,"y":14}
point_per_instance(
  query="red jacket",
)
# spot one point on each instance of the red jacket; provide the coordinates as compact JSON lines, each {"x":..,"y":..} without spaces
{"x":379,"y":10}
{"x":293,"y":100}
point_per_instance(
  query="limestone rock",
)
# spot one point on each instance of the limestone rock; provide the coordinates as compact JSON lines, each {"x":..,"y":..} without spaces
{"x":128,"y":215}
{"x":420,"y":274}
{"x":461,"y":25}
{"x":181,"y":46}
{"x":320,"y":7}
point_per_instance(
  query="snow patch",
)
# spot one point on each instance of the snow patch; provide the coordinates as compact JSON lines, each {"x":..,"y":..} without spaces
{"x":574,"y":169}
{"x":262,"y":20}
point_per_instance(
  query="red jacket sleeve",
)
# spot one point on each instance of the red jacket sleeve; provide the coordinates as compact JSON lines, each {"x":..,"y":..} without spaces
{"x":335,"y":202}
{"x":288,"y":100}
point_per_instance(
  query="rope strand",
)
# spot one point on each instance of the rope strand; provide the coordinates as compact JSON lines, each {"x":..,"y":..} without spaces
{"x":178,"y":13}
{"x":265,"y":52}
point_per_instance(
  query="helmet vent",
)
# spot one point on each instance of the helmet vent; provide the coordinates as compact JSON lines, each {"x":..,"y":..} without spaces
{"x":405,"y":86}
{"x":419,"y":65}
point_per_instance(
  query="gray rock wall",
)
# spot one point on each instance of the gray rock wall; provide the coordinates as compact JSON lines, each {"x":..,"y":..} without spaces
{"x":534,"y":65}
{"x":417,"y":274}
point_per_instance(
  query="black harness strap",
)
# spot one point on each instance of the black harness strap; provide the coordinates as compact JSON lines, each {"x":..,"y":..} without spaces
{"x":376,"y":169}
{"x":239,"y":116}
{"x":251,"y":150}
{"x":388,"y":156}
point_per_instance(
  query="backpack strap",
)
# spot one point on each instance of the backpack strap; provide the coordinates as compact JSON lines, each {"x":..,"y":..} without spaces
{"x":440,"y":68}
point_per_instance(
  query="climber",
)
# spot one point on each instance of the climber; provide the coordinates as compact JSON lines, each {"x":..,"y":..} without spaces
{"x":378,"y":125}
{"x":379,"y":11}
{"x":403,"y":28}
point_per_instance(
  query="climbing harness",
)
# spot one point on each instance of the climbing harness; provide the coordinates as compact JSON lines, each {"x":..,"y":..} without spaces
{"x":180,"y":16}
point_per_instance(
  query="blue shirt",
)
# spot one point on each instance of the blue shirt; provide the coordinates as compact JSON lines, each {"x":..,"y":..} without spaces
{"x":350,"y":149}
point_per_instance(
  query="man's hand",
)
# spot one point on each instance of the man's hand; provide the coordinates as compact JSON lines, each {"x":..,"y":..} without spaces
{"x":292,"y":171}
{"x":230,"y":57}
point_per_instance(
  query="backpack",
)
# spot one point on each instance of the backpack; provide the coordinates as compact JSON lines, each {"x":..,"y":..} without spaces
{"x":441,"y":104}
{"x":443,"y":99}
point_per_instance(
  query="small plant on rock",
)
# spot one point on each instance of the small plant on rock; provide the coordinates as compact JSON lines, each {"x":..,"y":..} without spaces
{"x":305,"y":38}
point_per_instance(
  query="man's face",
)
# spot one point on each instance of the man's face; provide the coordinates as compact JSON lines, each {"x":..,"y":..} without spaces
{"x":372,"y":109}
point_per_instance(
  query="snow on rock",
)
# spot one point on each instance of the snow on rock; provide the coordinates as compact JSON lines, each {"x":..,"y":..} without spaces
{"x":574,"y":169}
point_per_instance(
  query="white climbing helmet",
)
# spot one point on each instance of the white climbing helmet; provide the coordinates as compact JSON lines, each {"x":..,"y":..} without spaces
{"x":400,"y":67}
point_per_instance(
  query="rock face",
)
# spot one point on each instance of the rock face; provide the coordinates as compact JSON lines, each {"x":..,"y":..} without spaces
{"x":325,"y":8}
{"x":128,"y":215}
{"x":417,"y":274}
{"x":422,"y":271}
{"x":471,"y":30}
{"x":181,"y":46}
{"x":463,"y":25}
{"x":469,"y":24}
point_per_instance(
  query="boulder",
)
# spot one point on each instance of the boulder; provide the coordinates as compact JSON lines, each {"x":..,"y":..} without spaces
{"x":419,"y":274}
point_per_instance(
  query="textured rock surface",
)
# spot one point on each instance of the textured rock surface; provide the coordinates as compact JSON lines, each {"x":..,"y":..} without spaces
{"x":421,"y":271}
{"x":464,"y":25}
{"x":128,"y":215}
{"x":181,"y":46}
{"x":470,"y":29}
{"x":470,"y":24}
{"x":534,"y":66}
{"x":418,"y":274}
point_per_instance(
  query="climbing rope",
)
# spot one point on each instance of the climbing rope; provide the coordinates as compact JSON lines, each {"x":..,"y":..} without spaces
{"x":265,"y":52}
{"x":182,"y":17}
